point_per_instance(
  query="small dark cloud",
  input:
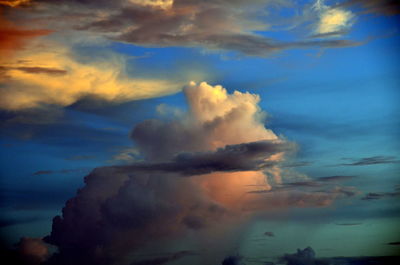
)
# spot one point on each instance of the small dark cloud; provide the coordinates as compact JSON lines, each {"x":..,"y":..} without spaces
{"x":240,"y":157}
{"x":233,"y":260}
{"x":307,"y":257}
{"x":270,"y":234}
{"x":311,"y":188}
{"x":80,"y":157}
{"x":348,"y":224}
{"x":297,"y":164}
{"x":386,"y":260}
{"x":63,"y":171}
{"x":34,"y":70}
{"x":43,"y":172}
{"x":383,"y":7}
{"x":41,"y":70}
{"x":259,"y":191}
{"x":194,"y":222}
{"x":379,"y":195}
{"x":164,"y":259}
{"x":4,"y":222}
{"x":302,"y":184}
{"x":312,"y":183}
{"x":373,"y":160}
{"x":346,"y":191}
{"x":330,"y":34}
{"x":334,"y":178}
{"x":46,"y":114}
{"x":397,"y":243}
{"x":303,"y":257}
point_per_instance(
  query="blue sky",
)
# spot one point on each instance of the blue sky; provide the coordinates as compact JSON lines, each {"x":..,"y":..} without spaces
{"x":338,"y":103}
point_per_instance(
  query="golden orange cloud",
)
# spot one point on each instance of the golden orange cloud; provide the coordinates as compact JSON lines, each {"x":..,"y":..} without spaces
{"x":14,"y":3}
{"x":234,"y":118}
{"x":55,"y":77}
{"x":334,"y":20}
{"x":231,"y":119}
{"x":14,"y":38}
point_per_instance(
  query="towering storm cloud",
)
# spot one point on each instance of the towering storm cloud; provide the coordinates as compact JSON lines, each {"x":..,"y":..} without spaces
{"x":215,"y":119}
{"x":220,"y":141}
{"x":195,"y":178}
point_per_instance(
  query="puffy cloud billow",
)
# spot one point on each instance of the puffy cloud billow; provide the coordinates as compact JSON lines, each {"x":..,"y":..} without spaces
{"x":194,"y":178}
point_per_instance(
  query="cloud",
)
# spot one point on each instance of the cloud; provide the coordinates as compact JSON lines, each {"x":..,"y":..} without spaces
{"x":333,"y":21}
{"x":295,"y":197}
{"x":32,"y":250}
{"x":303,"y":257}
{"x":35,"y":70}
{"x":4,"y":222}
{"x":233,"y":260}
{"x":31,"y":117}
{"x":270,"y":234}
{"x":348,"y":224}
{"x":307,"y":257}
{"x":123,"y":208}
{"x":127,"y":155}
{"x":309,"y":184}
{"x":14,"y":3}
{"x":42,"y":172}
{"x":164,"y":259}
{"x":384,"y":7}
{"x":221,"y":147}
{"x":221,"y":140}
{"x":304,"y":193}
{"x":216,"y":119}
{"x":253,"y":156}
{"x":335,"y":178}
{"x":117,"y":213}
{"x":379,"y":195}
{"x":63,"y":171}
{"x":14,"y":37}
{"x":213,"y":25}
{"x":297,"y":164}
{"x":373,"y":160}
{"x":55,"y":77}
{"x":80,"y":157}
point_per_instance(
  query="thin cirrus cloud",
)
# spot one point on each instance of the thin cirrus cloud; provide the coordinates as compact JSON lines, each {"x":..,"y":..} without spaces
{"x":310,"y":184}
{"x":373,"y":160}
{"x":380,"y":195}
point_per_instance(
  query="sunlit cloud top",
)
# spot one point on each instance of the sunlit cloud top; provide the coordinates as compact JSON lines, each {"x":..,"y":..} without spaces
{"x":332,"y":19}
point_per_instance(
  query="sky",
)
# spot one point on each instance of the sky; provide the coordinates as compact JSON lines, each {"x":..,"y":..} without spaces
{"x":199,"y":132}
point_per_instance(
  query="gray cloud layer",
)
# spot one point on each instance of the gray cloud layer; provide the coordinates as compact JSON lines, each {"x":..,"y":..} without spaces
{"x":385,"y":7}
{"x":242,"y":157}
{"x":374,"y":160}
{"x":215,"y":25}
